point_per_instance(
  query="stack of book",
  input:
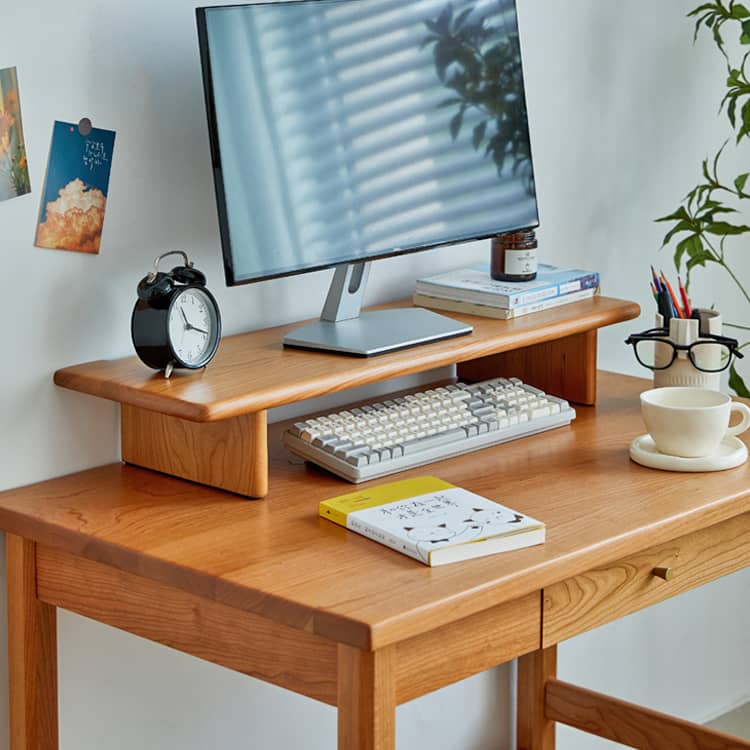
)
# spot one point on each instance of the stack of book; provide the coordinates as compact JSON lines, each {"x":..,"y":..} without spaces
{"x":473,"y":291}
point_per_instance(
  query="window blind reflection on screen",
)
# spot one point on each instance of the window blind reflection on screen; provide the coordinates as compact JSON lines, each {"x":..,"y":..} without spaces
{"x":337,"y":129}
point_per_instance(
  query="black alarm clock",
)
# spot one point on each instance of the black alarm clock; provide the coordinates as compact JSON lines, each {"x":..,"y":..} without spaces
{"x":176,"y":321}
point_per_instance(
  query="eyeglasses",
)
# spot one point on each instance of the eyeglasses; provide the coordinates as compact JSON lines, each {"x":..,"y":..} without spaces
{"x":656,"y":351}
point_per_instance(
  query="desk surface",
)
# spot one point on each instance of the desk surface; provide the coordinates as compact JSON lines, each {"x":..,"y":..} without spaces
{"x":277,"y":558}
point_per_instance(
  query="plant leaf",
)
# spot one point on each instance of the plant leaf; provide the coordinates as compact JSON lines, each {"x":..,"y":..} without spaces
{"x":701,"y":8}
{"x":682,"y":248}
{"x":444,"y":20}
{"x":479,"y":132}
{"x":456,"y":122}
{"x":737,"y":384}
{"x":461,"y":18}
{"x":427,"y":40}
{"x":682,"y":226}
{"x":708,"y":216}
{"x":699,"y":259}
{"x":680,"y":214}
{"x":740,"y":182}
{"x":723,"y":229}
{"x":450,"y":102}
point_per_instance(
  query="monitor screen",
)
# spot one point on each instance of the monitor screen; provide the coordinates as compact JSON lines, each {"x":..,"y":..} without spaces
{"x":348,"y":130}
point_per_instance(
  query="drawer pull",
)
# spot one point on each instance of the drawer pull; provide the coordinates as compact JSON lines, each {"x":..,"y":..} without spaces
{"x":666,"y":574}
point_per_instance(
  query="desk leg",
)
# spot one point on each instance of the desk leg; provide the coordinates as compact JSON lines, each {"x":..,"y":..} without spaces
{"x":534,"y":730}
{"x":366,"y":699}
{"x":32,"y":653}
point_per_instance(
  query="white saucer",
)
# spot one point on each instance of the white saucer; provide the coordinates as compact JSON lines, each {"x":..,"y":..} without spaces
{"x":732,"y":452}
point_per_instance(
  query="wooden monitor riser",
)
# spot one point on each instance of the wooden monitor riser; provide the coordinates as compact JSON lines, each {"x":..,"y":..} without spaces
{"x":211,"y":427}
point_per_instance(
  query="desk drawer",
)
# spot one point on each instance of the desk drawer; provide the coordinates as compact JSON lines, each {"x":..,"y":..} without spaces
{"x":606,"y":593}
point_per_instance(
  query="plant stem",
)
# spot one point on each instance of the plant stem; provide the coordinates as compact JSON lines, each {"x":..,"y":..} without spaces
{"x":718,"y":257}
{"x":735,"y":279}
{"x":734,"y":325}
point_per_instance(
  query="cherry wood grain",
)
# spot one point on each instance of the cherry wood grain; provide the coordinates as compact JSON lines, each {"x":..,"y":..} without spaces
{"x":466,"y":647}
{"x":230,"y":455}
{"x":534,"y":730}
{"x":629,"y":724}
{"x":612,"y":591}
{"x":564,"y":368}
{"x":255,"y":646}
{"x":252,"y":372}
{"x":277,"y":558}
{"x":32,"y":653}
{"x":366,"y":699}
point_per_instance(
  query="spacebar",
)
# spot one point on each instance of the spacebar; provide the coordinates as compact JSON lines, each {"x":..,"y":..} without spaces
{"x":433,"y":441}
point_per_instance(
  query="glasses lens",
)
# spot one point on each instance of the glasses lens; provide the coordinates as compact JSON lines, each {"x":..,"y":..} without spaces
{"x":656,"y":355}
{"x":710,"y":356}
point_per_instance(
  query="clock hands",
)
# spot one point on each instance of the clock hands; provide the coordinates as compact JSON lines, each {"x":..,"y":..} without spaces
{"x":189,"y":326}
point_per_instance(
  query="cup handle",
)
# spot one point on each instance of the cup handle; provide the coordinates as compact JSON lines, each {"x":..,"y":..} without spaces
{"x":738,"y":429}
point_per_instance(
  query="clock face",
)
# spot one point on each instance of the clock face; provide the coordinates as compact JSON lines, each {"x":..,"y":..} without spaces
{"x":193,"y":327}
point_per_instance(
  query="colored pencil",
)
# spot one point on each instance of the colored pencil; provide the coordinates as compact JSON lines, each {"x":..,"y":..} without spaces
{"x":685,"y":298}
{"x":657,"y":284}
{"x":665,"y":307}
{"x":654,"y":292}
{"x":672,"y":295}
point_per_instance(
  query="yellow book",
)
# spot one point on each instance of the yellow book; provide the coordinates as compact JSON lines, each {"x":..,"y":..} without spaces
{"x":433,"y":521}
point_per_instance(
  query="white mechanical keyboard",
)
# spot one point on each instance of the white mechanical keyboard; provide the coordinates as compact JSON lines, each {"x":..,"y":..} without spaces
{"x":371,"y":441}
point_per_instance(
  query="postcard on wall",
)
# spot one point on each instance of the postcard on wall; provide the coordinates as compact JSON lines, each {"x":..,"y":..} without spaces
{"x":75,"y":193}
{"x":14,"y":171}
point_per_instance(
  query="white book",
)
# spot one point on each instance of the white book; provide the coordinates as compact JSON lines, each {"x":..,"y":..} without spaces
{"x":433,"y":521}
{"x":500,"y":313}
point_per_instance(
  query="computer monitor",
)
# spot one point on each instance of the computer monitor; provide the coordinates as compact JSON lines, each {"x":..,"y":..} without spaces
{"x":343,"y":131}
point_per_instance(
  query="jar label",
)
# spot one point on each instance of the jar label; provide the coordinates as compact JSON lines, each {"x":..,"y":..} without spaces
{"x":520,"y":262}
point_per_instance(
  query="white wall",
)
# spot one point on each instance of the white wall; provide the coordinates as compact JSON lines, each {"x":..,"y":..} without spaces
{"x":621,"y":107}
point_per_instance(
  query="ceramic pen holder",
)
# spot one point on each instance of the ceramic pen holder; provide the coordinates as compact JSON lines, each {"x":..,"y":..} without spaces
{"x":684,"y":331}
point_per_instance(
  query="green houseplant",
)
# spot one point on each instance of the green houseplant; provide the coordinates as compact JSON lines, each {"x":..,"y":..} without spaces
{"x":705,"y":226}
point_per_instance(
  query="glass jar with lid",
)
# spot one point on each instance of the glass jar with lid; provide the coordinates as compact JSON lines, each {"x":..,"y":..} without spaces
{"x":514,"y":256}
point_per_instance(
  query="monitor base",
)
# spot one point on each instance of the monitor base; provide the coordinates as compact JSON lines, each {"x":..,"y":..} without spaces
{"x":377,"y":332}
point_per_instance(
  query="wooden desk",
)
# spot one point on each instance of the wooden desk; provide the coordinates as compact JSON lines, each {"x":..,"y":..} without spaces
{"x":271,"y":590}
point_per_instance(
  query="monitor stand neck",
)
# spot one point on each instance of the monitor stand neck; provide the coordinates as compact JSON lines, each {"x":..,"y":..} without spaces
{"x":346,"y":293}
{"x":344,"y":329}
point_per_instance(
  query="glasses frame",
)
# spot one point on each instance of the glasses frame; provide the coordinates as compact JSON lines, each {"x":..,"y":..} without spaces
{"x":661,"y":335}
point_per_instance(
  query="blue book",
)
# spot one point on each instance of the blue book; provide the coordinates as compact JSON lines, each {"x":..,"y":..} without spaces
{"x":474,"y":284}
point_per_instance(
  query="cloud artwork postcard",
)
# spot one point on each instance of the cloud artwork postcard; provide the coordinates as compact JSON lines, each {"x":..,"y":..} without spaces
{"x":75,"y":194}
{"x":14,"y":172}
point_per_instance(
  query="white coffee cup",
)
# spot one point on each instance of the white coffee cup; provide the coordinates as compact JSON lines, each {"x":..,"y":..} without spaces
{"x":690,"y":422}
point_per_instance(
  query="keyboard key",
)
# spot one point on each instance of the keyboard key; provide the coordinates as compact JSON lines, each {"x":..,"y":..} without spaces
{"x":442,"y":438}
{"x":335,"y":445}
{"x":322,"y":440}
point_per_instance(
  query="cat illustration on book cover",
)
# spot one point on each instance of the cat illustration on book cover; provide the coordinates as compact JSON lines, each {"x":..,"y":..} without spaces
{"x":438,"y":531}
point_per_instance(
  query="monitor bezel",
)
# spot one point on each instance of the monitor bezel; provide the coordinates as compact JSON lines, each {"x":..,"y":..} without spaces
{"x":218,"y":177}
